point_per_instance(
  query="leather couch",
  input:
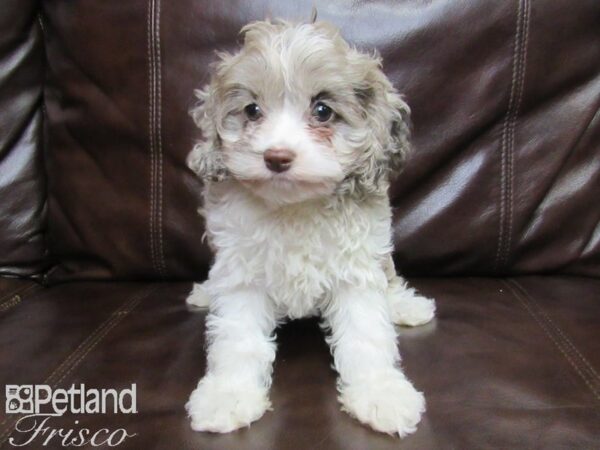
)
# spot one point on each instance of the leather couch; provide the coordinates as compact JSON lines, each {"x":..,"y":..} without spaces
{"x":497,"y":217}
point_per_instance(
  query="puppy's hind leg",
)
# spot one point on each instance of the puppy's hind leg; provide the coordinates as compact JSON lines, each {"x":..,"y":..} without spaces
{"x":407,"y":307}
{"x":198,"y":296}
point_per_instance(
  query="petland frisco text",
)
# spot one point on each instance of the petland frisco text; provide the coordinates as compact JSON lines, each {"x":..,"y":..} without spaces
{"x":39,"y":404}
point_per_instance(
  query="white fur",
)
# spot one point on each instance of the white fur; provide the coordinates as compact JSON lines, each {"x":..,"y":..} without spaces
{"x":407,"y":306}
{"x":387,"y":402}
{"x":295,"y":261}
{"x":217,"y":406}
{"x":198,"y":297}
{"x":316,"y":239}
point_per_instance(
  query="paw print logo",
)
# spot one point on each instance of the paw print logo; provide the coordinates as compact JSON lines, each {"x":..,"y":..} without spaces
{"x":19,"y":399}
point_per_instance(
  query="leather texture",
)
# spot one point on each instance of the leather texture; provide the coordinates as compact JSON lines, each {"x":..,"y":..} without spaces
{"x":22,"y":175}
{"x":505,"y":99}
{"x":507,"y":363}
{"x":504,"y":183}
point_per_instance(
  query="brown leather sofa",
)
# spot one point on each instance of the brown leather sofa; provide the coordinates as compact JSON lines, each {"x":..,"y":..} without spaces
{"x":497,"y":216}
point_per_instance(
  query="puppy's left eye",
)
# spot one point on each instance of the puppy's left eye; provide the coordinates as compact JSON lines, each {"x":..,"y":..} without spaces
{"x":322,"y":112}
{"x":253,"y":111}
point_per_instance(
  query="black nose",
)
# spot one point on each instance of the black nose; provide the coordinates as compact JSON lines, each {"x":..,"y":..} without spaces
{"x":279,"y":159}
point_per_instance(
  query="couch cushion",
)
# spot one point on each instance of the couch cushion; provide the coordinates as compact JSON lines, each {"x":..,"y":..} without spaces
{"x":507,"y":363}
{"x":22,"y":179}
{"x":504,"y":95}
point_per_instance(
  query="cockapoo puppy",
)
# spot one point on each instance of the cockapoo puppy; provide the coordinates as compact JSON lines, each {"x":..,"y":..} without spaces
{"x":301,"y":133}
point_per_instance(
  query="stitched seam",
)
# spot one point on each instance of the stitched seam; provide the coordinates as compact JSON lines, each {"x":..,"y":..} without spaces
{"x":505,"y":142}
{"x":509,"y":141}
{"x":11,"y":294}
{"x":500,"y":243}
{"x":16,"y":297}
{"x":590,"y":369}
{"x":14,"y":301}
{"x":18,"y":290}
{"x":520,"y":92}
{"x":556,"y":342}
{"x":529,"y":308}
{"x":162,"y":265}
{"x":155,"y":131}
{"x":117,"y":314}
{"x":88,"y":344}
{"x":117,"y":319}
{"x":151,"y":73}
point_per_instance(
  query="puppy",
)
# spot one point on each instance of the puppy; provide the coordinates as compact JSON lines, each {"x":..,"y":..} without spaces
{"x":301,"y":133}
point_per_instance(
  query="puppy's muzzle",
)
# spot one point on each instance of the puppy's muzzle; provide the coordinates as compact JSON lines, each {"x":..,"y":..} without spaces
{"x":279,"y":159}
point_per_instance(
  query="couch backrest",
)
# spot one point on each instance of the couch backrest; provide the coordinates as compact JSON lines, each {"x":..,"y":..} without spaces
{"x":505,"y":176}
{"x":22,"y":179}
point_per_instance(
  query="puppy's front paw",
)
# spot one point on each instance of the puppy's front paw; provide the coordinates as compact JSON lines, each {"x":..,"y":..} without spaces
{"x":388,"y":403}
{"x":216,"y":406}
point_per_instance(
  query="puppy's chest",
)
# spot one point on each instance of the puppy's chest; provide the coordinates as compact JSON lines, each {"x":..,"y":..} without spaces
{"x":299,"y":255}
{"x":298,"y":260}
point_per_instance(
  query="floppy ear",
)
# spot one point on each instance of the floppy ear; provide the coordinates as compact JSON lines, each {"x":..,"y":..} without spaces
{"x":386,"y":118}
{"x":389,"y":119}
{"x":398,"y":146}
{"x":206,"y":158}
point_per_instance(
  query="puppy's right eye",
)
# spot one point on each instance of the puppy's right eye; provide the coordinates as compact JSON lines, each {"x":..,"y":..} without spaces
{"x":322,"y":112}
{"x":252,"y":111}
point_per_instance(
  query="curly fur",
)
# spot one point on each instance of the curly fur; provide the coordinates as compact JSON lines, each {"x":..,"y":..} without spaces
{"x":315,"y":239}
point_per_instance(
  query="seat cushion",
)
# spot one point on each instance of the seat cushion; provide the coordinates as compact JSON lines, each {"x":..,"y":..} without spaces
{"x":507,"y":363}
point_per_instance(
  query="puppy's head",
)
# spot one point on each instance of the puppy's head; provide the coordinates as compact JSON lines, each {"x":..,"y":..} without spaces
{"x":297,"y":113}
